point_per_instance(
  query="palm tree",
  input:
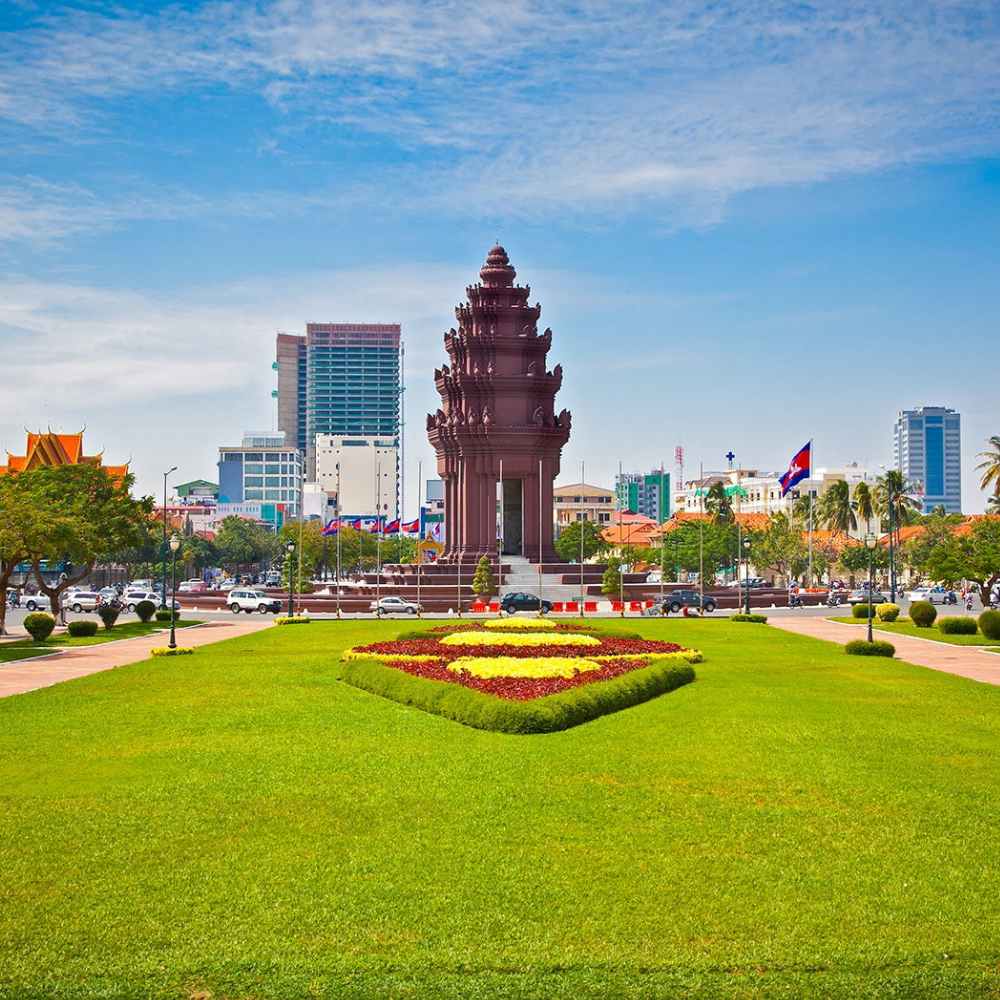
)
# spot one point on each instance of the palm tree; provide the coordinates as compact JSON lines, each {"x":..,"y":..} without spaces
{"x":800,"y":509}
{"x":864,"y":502}
{"x":904,"y":504}
{"x":993,"y":504}
{"x":718,"y":504}
{"x":835,"y":509}
{"x":990,"y":466}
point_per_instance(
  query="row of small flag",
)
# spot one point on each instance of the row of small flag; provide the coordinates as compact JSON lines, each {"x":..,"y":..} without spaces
{"x":374,"y":525}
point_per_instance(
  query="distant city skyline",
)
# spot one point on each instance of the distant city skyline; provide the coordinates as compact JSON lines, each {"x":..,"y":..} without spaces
{"x":748,"y":227}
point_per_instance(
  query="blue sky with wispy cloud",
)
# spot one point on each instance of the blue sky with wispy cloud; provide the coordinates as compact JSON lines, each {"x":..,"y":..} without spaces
{"x":748,"y":223}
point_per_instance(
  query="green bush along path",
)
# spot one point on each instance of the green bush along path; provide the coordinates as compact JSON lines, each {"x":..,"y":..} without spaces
{"x":20,"y":649}
{"x":903,"y":626}
{"x":240,"y":823}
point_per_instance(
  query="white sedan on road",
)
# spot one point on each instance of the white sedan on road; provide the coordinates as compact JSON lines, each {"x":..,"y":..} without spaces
{"x":935,"y":595}
{"x":36,"y":602}
{"x":394,"y":605}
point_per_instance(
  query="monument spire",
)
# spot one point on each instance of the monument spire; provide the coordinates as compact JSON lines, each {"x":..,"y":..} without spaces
{"x":498,"y":411}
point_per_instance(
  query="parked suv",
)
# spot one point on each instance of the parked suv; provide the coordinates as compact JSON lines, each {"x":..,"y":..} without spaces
{"x":510,"y":603}
{"x":36,"y":602}
{"x":242,"y":599}
{"x":84,"y":600}
{"x":678,"y":599}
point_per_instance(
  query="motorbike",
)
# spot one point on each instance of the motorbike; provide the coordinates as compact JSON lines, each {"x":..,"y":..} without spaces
{"x":834,"y":599}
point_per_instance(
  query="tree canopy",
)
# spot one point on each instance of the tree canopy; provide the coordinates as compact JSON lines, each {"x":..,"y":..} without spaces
{"x":567,"y":545}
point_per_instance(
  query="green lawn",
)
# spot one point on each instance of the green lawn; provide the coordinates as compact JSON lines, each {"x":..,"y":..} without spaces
{"x":904,"y":626}
{"x":22,"y":649}
{"x":796,"y":823}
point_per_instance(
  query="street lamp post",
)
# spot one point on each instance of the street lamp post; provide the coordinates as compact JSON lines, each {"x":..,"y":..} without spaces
{"x":175,"y":544}
{"x":163,"y":547}
{"x":290,"y":549}
{"x":871,"y":540}
{"x":746,"y":589}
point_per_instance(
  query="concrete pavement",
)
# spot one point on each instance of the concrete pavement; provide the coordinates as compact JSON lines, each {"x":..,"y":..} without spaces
{"x":21,"y":676}
{"x":974,"y":662}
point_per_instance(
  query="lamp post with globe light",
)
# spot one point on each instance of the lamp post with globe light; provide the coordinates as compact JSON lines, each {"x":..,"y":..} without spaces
{"x":175,"y":544}
{"x":290,"y":549}
{"x":746,"y":589}
{"x":163,"y":548}
{"x":871,"y":540}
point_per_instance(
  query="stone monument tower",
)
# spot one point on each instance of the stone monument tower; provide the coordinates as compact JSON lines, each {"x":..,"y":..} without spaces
{"x":497,"y":423}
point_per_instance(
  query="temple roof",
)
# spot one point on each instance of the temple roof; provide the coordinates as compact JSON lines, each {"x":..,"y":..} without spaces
{"x":51,"y":449}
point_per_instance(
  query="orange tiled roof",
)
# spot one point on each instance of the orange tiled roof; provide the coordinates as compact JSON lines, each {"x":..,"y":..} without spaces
{"x":636,"y":533}
{"x":51,"y":449}
{"x":752,"y":522}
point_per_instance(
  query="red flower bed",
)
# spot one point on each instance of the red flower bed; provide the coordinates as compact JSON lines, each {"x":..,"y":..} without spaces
{"x":520,"y":688}
{"x":609,"y":646}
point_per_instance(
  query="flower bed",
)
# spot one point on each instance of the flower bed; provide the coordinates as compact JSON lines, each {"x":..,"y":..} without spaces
{"x":518,"y":668}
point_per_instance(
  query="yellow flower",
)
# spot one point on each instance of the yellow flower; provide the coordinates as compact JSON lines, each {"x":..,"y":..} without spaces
{"x":532,"y":639}
{"x":517,"y":623}
{"x":513,"y":666}
{"x":356,"y":654}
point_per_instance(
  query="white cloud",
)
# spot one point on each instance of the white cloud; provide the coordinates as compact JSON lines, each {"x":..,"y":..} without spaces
{"x":592,"y":106}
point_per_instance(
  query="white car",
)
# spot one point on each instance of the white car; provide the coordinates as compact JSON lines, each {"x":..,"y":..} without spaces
{"x":394,"y":605}
{"x":82,"y":600}
{"x":242,"y":599}
{"x":935,"y":595}
{"x":36,"y":602}
{"x":133,"y":597}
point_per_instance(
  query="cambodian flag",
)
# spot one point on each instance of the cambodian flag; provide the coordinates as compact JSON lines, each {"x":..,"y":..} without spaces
{"x":332,"y":527}
{"x":411,"y":527}
{"x":357,"y":524}
{"x":799,"y":469}
{"x":392,"y":528}
{"x":375,"y":526}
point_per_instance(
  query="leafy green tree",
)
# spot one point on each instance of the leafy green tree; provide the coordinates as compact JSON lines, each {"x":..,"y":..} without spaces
{"x":567,"y":545}
{"x":483,"y":584}
{"x":974,"y":555}
{"x":780,"y":547}
{"x":197,"y":553}
{"x":854,"y":560}
{"x":611,"y":581}
{"x":88,"y":518}
{"x":17,"y":511}
{"x":241,"y":544}
{"x":836,"y":509}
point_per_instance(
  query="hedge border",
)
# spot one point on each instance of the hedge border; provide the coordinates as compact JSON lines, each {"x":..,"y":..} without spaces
{"x":753,"y":619}
{"x":550,"y":714}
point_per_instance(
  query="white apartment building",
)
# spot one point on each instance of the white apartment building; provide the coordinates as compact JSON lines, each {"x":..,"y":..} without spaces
{"x":366,"y":468}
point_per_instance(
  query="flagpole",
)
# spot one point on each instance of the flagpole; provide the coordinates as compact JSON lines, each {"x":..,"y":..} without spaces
{"x":663,"y":546}
{"x":420,"y":554}
{"x":503,"y":520}
{"x":583,"y":481}
{"x":461,"y":477}
{"x":302,"y":521}
{"x":811,"y":466}
{"x":701,"y":543}
{"x":540,"y":537}
{"x":339,"y":532}
{"x":621,"y":550}
{"x":378,"y":536}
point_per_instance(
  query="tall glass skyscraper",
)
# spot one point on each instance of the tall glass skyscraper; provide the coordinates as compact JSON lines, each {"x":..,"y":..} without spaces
{"x":340,"y":379}
{"x":928,"y":451}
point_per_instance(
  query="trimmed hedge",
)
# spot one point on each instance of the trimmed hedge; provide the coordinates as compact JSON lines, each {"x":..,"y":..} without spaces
{"x":145,"y":610}
{"x":989,"y":624}
{"x":862,"y":611}
{"x":958,"y":625}
{"x":294,"y":620}
{"x":862,"y":647}
{"x":756,"y":619}
{"x":176,"y":651}
{"x":82,"y":629}
{"x":887,"y":612}
{"x":108,"y":613}
{"x":922,"y":614}
{"x":164,"y":615}
{"x":541,"y":715}
{"x":39,"y":625}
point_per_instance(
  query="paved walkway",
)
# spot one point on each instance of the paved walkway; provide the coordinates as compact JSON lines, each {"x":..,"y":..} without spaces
{"x":28,"y":675}
{"x":973,"y":662}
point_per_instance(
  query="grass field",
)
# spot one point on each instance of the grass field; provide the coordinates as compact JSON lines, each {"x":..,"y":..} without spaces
{"x":240,"y":824}
{"x":904,"y":626}
{"x":22,"y":649}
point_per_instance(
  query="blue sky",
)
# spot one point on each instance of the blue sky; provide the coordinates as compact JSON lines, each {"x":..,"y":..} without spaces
{"x":748,"y":224}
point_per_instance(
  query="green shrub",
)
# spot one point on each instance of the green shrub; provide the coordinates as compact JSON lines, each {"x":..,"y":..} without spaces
{"x":145,"y":610}
{"x":863,"y":611}
{"x":887,"y":612}
{"x":989,"y":624}
{"x":82,"y":629}
{"x":294,"y":620}
{"x":958,"y":625}
{"x":39,"y":625}
{"x":862,"y":647}
{"x":540,"y":715}
{"x":756,"y":619}
{"x":165,"y":614}
{"x":176,"y":651}
{"x":922,"y":614}
{"x":108,"y":613}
